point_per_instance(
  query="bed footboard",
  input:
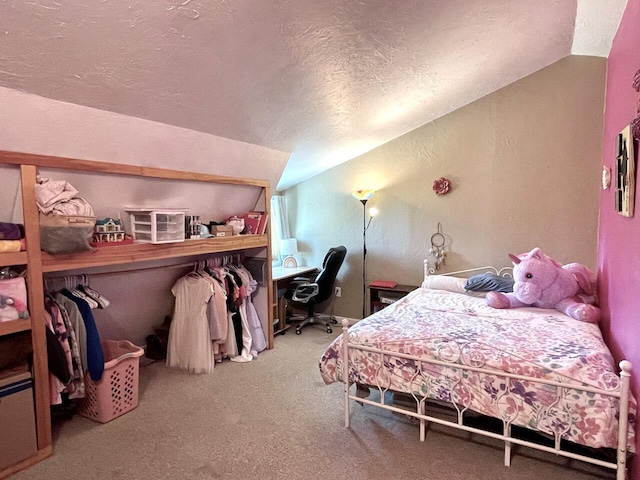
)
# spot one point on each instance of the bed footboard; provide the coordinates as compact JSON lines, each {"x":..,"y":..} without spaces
{"x":618,"y":394}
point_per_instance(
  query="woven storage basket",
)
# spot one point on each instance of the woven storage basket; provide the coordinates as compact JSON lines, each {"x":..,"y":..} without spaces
{"x":117,"y":392}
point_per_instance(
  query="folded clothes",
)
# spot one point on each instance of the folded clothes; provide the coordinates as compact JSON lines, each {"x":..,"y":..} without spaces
{"x":61,"y":198}
{"x":11,"y":231}
{"x":50,"y":192}
{"x":12,"y":245}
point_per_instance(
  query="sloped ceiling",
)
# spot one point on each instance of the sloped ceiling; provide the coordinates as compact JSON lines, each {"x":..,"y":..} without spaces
{"x":325,"y":80}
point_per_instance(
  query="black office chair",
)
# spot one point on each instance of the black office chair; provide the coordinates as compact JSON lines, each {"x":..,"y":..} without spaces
{"x":312,"y":292}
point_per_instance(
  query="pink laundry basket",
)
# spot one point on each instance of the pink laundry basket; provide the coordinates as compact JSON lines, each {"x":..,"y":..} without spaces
{"x":116,"y":392}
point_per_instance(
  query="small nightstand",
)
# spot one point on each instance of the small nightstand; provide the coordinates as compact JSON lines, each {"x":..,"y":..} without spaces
{"x":380,"y":297}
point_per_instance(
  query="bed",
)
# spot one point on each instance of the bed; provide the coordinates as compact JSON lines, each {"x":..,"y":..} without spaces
{"x":528,"y":367}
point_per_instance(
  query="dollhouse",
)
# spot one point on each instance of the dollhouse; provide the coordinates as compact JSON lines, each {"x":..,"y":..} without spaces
{"x":108,"y":230}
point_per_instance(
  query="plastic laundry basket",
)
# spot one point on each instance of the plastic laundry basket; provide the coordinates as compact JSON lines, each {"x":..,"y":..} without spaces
{"x":117,"y":392}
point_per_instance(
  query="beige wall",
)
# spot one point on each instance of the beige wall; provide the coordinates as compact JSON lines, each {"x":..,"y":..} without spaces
{"x":525,"y":168}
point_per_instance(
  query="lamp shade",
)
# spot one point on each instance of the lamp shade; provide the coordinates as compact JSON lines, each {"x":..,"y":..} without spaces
{"x":363,"y":195}
{"x":288,"y":246}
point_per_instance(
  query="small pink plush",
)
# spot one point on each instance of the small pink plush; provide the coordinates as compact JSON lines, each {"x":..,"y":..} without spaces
{"x":541,"y":281}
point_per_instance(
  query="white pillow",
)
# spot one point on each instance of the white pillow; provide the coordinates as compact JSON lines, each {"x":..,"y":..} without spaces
{"x":445,"y":282}
{"x":449,"y":284}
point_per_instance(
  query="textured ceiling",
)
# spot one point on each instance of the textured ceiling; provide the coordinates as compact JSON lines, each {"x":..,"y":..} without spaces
{"x":325,"y":80}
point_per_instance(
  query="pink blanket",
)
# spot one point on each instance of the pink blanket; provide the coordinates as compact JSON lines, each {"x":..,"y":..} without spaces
{"x":534,"y":342}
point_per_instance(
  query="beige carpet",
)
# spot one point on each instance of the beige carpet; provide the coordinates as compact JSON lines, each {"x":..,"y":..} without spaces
{"x":274,"y":418}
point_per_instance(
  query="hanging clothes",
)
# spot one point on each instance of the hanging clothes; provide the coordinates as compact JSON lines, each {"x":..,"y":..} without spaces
{"x":217,"y":314}
{"x":214,"y":317}
{"x":95,"y":355}
{"x":189,"y":345}
{"x":73,"y":343}
{"x":75,"y":388}
{"x":77,"y":322}
{"x":259,"y":342}
{"x":59,"y":328}
{"x":60,"y":366}
{"x":243,"y":337}
{"x":231,"y":343}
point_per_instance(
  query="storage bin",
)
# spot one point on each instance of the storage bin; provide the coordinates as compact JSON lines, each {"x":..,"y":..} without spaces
{"x":65,"y":233}
{"x":117,"y":392}
{"x":17,"y":417}
{"x":13,"y":299}
{"x":157,"y":226}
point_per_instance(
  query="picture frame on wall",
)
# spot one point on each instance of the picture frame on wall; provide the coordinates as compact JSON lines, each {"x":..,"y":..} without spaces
{"x":625,"y":173}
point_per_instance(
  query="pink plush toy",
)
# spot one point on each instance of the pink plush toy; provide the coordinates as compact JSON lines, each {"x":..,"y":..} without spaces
{"x":541,"y":281}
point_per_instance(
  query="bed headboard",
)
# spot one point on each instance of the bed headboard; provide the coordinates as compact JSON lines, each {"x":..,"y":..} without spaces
{"x":502,"y":272}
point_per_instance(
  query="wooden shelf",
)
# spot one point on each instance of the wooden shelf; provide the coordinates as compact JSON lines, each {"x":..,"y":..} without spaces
{"x":15,"y":326}
{"x":140,"y":252}
{"x":39,"y":262}
{"x":38,"y":457}
{"x":48,"y":161}
{"x":13,"y":258}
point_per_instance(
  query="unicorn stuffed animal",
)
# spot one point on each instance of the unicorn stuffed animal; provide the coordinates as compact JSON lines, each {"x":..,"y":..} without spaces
{"x":541,"y":281}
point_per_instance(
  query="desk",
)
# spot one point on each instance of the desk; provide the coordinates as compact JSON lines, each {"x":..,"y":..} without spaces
{"x":280,"y":277}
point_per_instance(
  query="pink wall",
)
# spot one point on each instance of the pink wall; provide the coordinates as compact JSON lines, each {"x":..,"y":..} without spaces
{"x":619,"y":237}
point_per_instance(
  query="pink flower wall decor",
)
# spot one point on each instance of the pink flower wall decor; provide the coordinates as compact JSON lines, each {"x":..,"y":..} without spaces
{"x":441,"y":186}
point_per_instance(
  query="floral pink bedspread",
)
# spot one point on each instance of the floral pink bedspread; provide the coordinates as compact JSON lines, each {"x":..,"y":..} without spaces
{"x":533,"y":342}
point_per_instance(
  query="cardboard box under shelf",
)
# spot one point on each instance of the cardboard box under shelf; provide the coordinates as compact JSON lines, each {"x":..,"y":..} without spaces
{"x":16,"y":416}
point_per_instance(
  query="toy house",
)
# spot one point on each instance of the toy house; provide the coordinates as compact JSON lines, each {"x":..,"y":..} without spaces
{"x":108,"y":230}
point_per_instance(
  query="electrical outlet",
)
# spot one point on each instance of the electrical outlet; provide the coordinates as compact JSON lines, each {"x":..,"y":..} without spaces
{"x":338,"y":291}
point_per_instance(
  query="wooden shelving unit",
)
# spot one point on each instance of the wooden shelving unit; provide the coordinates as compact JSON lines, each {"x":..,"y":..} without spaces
{"x":140,"y":252}
{"x":38,"y":262}
{"x":13,"y":258}
{"x":14,"y":326}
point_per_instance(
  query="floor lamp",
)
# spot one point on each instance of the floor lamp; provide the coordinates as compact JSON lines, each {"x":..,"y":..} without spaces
{"x":364,"y":196}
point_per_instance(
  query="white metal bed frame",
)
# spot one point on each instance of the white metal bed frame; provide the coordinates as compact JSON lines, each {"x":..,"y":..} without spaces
{"x":619,"y":390}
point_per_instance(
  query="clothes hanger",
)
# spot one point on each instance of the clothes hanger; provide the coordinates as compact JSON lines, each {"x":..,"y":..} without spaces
{"x":73,"y":283}
{"x":198,"y":270}
{"x":102,"y":301}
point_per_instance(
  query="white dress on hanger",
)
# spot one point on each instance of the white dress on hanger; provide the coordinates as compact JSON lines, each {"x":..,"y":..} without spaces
{"x":189,"y":344}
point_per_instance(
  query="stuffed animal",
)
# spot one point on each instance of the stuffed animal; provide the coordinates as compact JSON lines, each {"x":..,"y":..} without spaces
{"x":20,"y":307}
{"x":541,"y":281}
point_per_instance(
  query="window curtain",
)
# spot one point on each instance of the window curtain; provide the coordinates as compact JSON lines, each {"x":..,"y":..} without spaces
{"x":279,"y":225}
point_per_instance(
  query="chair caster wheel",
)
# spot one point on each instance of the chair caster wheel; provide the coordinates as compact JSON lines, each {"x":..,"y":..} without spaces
{"x":298,"y":332}
{"x":329,"y":330}
{"x":334,"y":321}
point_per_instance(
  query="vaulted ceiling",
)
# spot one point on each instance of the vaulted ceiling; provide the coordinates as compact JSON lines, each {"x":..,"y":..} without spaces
{"x":325,"y":80}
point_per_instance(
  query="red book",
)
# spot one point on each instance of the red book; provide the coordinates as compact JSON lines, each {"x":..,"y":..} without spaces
{"x":262,"y":229}
{"x":383,"y":284}
{"x":251,"y":222}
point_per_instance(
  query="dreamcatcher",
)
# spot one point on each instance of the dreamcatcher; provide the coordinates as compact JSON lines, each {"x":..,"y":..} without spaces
{"x":437,"y":248}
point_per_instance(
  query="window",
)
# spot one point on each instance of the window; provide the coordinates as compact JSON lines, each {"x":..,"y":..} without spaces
{"x":279,"y":226}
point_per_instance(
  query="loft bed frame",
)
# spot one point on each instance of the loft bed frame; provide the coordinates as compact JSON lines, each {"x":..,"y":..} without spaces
{"x":452,"y":356}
